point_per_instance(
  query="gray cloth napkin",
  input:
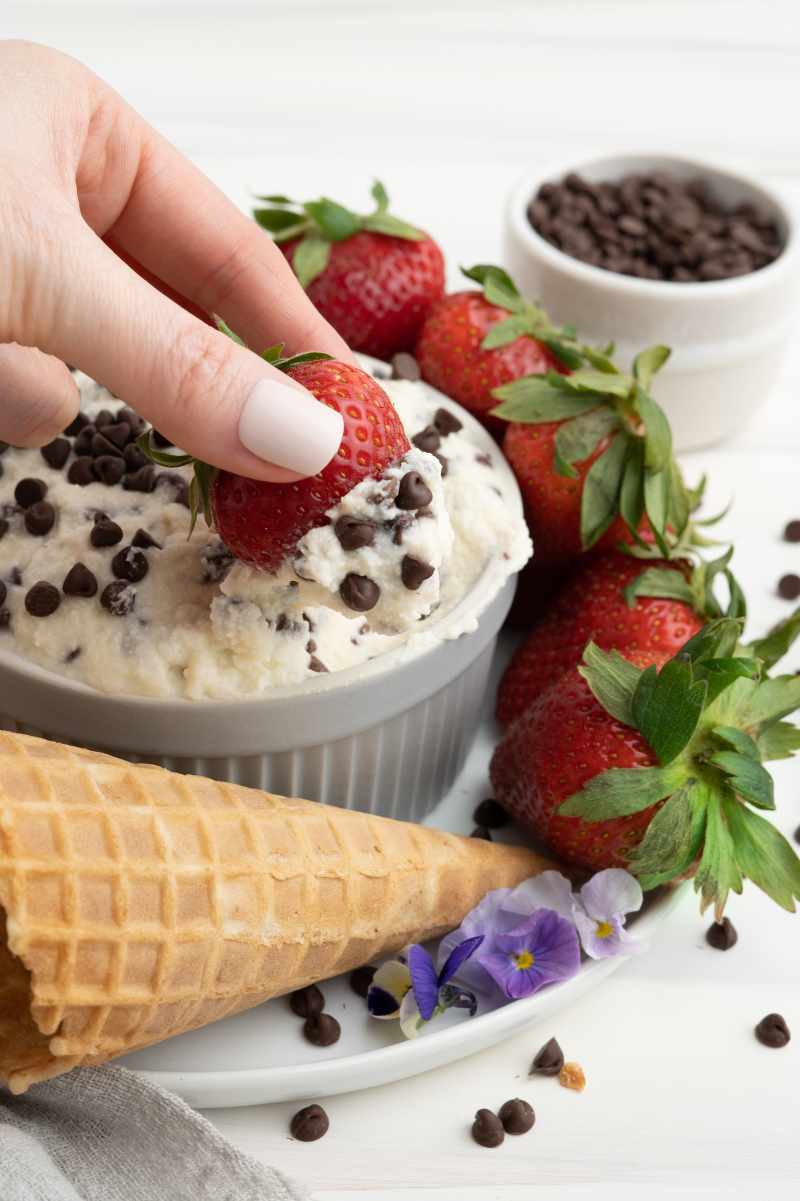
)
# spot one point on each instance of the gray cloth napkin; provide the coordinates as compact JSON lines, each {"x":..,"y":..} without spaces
{"x":105,"y":1134}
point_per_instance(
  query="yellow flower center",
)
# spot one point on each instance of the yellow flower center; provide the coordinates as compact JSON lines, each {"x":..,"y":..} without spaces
{"x":604,"y":929}
{"x":523,"y":960}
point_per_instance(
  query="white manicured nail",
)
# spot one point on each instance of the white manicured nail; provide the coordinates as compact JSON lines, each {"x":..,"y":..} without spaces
{"x":288,"y":426}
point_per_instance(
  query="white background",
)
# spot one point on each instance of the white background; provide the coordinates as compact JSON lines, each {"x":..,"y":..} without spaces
{"x":449,"y":102}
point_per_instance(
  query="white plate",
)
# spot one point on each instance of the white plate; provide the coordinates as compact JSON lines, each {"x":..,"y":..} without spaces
{"x":261,"y":1056}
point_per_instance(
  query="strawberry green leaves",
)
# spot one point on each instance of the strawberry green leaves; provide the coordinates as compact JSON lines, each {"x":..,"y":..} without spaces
{"x":601,"y":489}
{"x":526,"y":318}
{"x":321,"y":223}
{"x":711,"y":718}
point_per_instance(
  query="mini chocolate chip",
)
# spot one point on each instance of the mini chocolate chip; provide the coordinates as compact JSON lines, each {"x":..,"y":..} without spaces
{"x":81,"y":471}
{"x":143,"y":480}
{"x":134,"y":458}
{"x":492,"y":814}
{"x":414,"y":572}
{"x":400,"y":525}
{"x":130,"y":564}
{"x":446,"y":422}
{"x":792,"y":531}
{"x":428,"y":439}
{"x":322,"y":1029}
{"x":789,"y":586}
{"x":307,"y":1002}
{"x":161,"y":440}
{"x":484,"y":459}
{"x":104,"y":417}
{"x":359,"y":592}
{"x":102,"y":446}
{"x":3,"y":592}
{"x":3,"y":527}
{"x":42,"y":599}
{"x":29,"y":491}
{"x":109,"y":469}
{"x":5,"y":619}
{"x":75,"y":427}
{"x":487,"y":1129}
{"x":315,"y":664}
{"x":119,"y":433}
{"x":80,"y":581}
{"x":145,"y":541}
{"x":772,"y":1031}
{"x":105,"y":533}
{"x":353,"y":532}
{"x":309,"y":1124}
{"x":722,"y":935}
{"x":413,"y":492}
{"x":549,"y":1060}
{"x":118,"y":597}
{"x":176,"y":484}
{"x":83,"y":443}
{"x":137,"y":424}
{"x":517,"y":1116}
{"x":15,"y":576}
{"x":56,"y":453}
{"x":40,"y":518}
{"x":74,"y":654}
{"x":444,"y":464}
{"x":361,"y":978}
{"x":217,"y":561}
{"x":482,"y":832}
{"x":405,"y":366}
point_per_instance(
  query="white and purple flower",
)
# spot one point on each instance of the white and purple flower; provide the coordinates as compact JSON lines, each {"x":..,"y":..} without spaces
{"x":599,"y":912}
{"x":411,"y":989}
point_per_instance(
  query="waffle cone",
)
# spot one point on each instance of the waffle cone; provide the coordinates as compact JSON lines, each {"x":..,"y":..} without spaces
{"x":136,"y":903}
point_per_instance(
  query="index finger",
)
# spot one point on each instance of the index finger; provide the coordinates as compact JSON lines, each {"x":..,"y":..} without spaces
{"x":183,"y":229}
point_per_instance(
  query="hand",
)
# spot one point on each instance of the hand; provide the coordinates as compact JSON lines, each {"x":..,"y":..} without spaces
{"x":113,"y":249}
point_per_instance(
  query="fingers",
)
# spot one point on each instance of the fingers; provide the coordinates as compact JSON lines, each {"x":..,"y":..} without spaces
{"x":180,"y":227}
{"x":38,"y":396}
{"x":212,"y":398}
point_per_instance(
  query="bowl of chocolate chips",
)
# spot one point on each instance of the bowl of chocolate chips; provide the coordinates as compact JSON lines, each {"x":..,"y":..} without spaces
{"x":643,"y":249}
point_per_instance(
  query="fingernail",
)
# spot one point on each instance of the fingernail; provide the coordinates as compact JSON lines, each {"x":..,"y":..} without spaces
{"x":290,"y":427}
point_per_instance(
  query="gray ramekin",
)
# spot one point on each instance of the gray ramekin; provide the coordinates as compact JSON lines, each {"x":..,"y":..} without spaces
{"x":387,"y":737}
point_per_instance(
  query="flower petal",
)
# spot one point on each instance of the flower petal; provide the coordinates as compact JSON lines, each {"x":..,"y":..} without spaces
{"x":611,"y":891}
{"x":382,"y":1004}
{"x":423,"y":980}
{"x":458,"y":956}
{"x":550,"y":890}
{"x":551,"y":942}
{"x":478,"y":921}
{"x":411,"y":1021}
{"x":393,"y":977}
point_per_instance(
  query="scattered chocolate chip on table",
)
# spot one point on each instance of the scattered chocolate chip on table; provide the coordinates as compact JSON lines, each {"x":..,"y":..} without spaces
{"x":517,"y":1116}
{"x":487,"y":1129}
{"x":309,"y":1124}
{"x":549,"y":1059}
{"x":772,"y":1031}
{"x":722,"y":935}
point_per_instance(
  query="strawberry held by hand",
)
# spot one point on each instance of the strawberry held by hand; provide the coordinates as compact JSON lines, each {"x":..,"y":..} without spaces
{"x":261,"y":523}
{"x":472,"y":342}
{"x":373,"y":277}
{"x":620,"y":603}
{"x":661,"y":771}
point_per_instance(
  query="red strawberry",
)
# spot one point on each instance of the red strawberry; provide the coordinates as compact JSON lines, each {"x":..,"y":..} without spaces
{"x":657,"y":766}
{"x":451,"y":356}
{"x":592,"y":607}
{"x":590,"y":447}
{"x":373,"y":277}
{"x":262,"y":523}
{"x":551,"y":752}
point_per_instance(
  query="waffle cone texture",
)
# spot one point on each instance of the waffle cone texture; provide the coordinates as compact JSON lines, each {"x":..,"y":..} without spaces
{"x":136,"y":903}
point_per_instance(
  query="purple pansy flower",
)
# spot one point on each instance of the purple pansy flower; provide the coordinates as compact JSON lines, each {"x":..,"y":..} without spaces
{"x":498,"y":913}
{"x":599,"y":910}
{"x":412,"y":990}
{"x":542,"y":949}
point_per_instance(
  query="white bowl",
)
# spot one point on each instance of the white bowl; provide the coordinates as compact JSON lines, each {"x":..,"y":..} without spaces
{"x":389,"y":736}
{"x":727,"y":337}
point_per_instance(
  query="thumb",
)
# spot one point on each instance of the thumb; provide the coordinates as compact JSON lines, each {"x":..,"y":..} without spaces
{"x":214,"y":399}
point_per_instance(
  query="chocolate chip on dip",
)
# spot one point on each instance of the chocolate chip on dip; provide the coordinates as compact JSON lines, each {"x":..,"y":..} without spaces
{"x":80,"y":581}
{"x":40,"y":518}
{"x":359,"y":592}
{"x":105,"y":532}
{"x":413,"y":492}
{"x":42,"y":599}
{"x":56,"y":453}
{"x":118,"y":598}
{"x":414,"y":572}
{"x":405,"y":366}
{"x":29,"y":492}
{"x":354,"y":532}
{"x":428,"y":439}
{"x":130,"y":564}
{"x":446,"y":422}
{"x":81,"y":471}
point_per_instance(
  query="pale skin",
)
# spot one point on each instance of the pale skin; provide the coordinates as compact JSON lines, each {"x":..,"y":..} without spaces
{"x":113,"y":248}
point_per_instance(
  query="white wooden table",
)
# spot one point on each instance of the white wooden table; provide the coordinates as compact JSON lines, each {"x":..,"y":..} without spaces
{"x":448,"y":101}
